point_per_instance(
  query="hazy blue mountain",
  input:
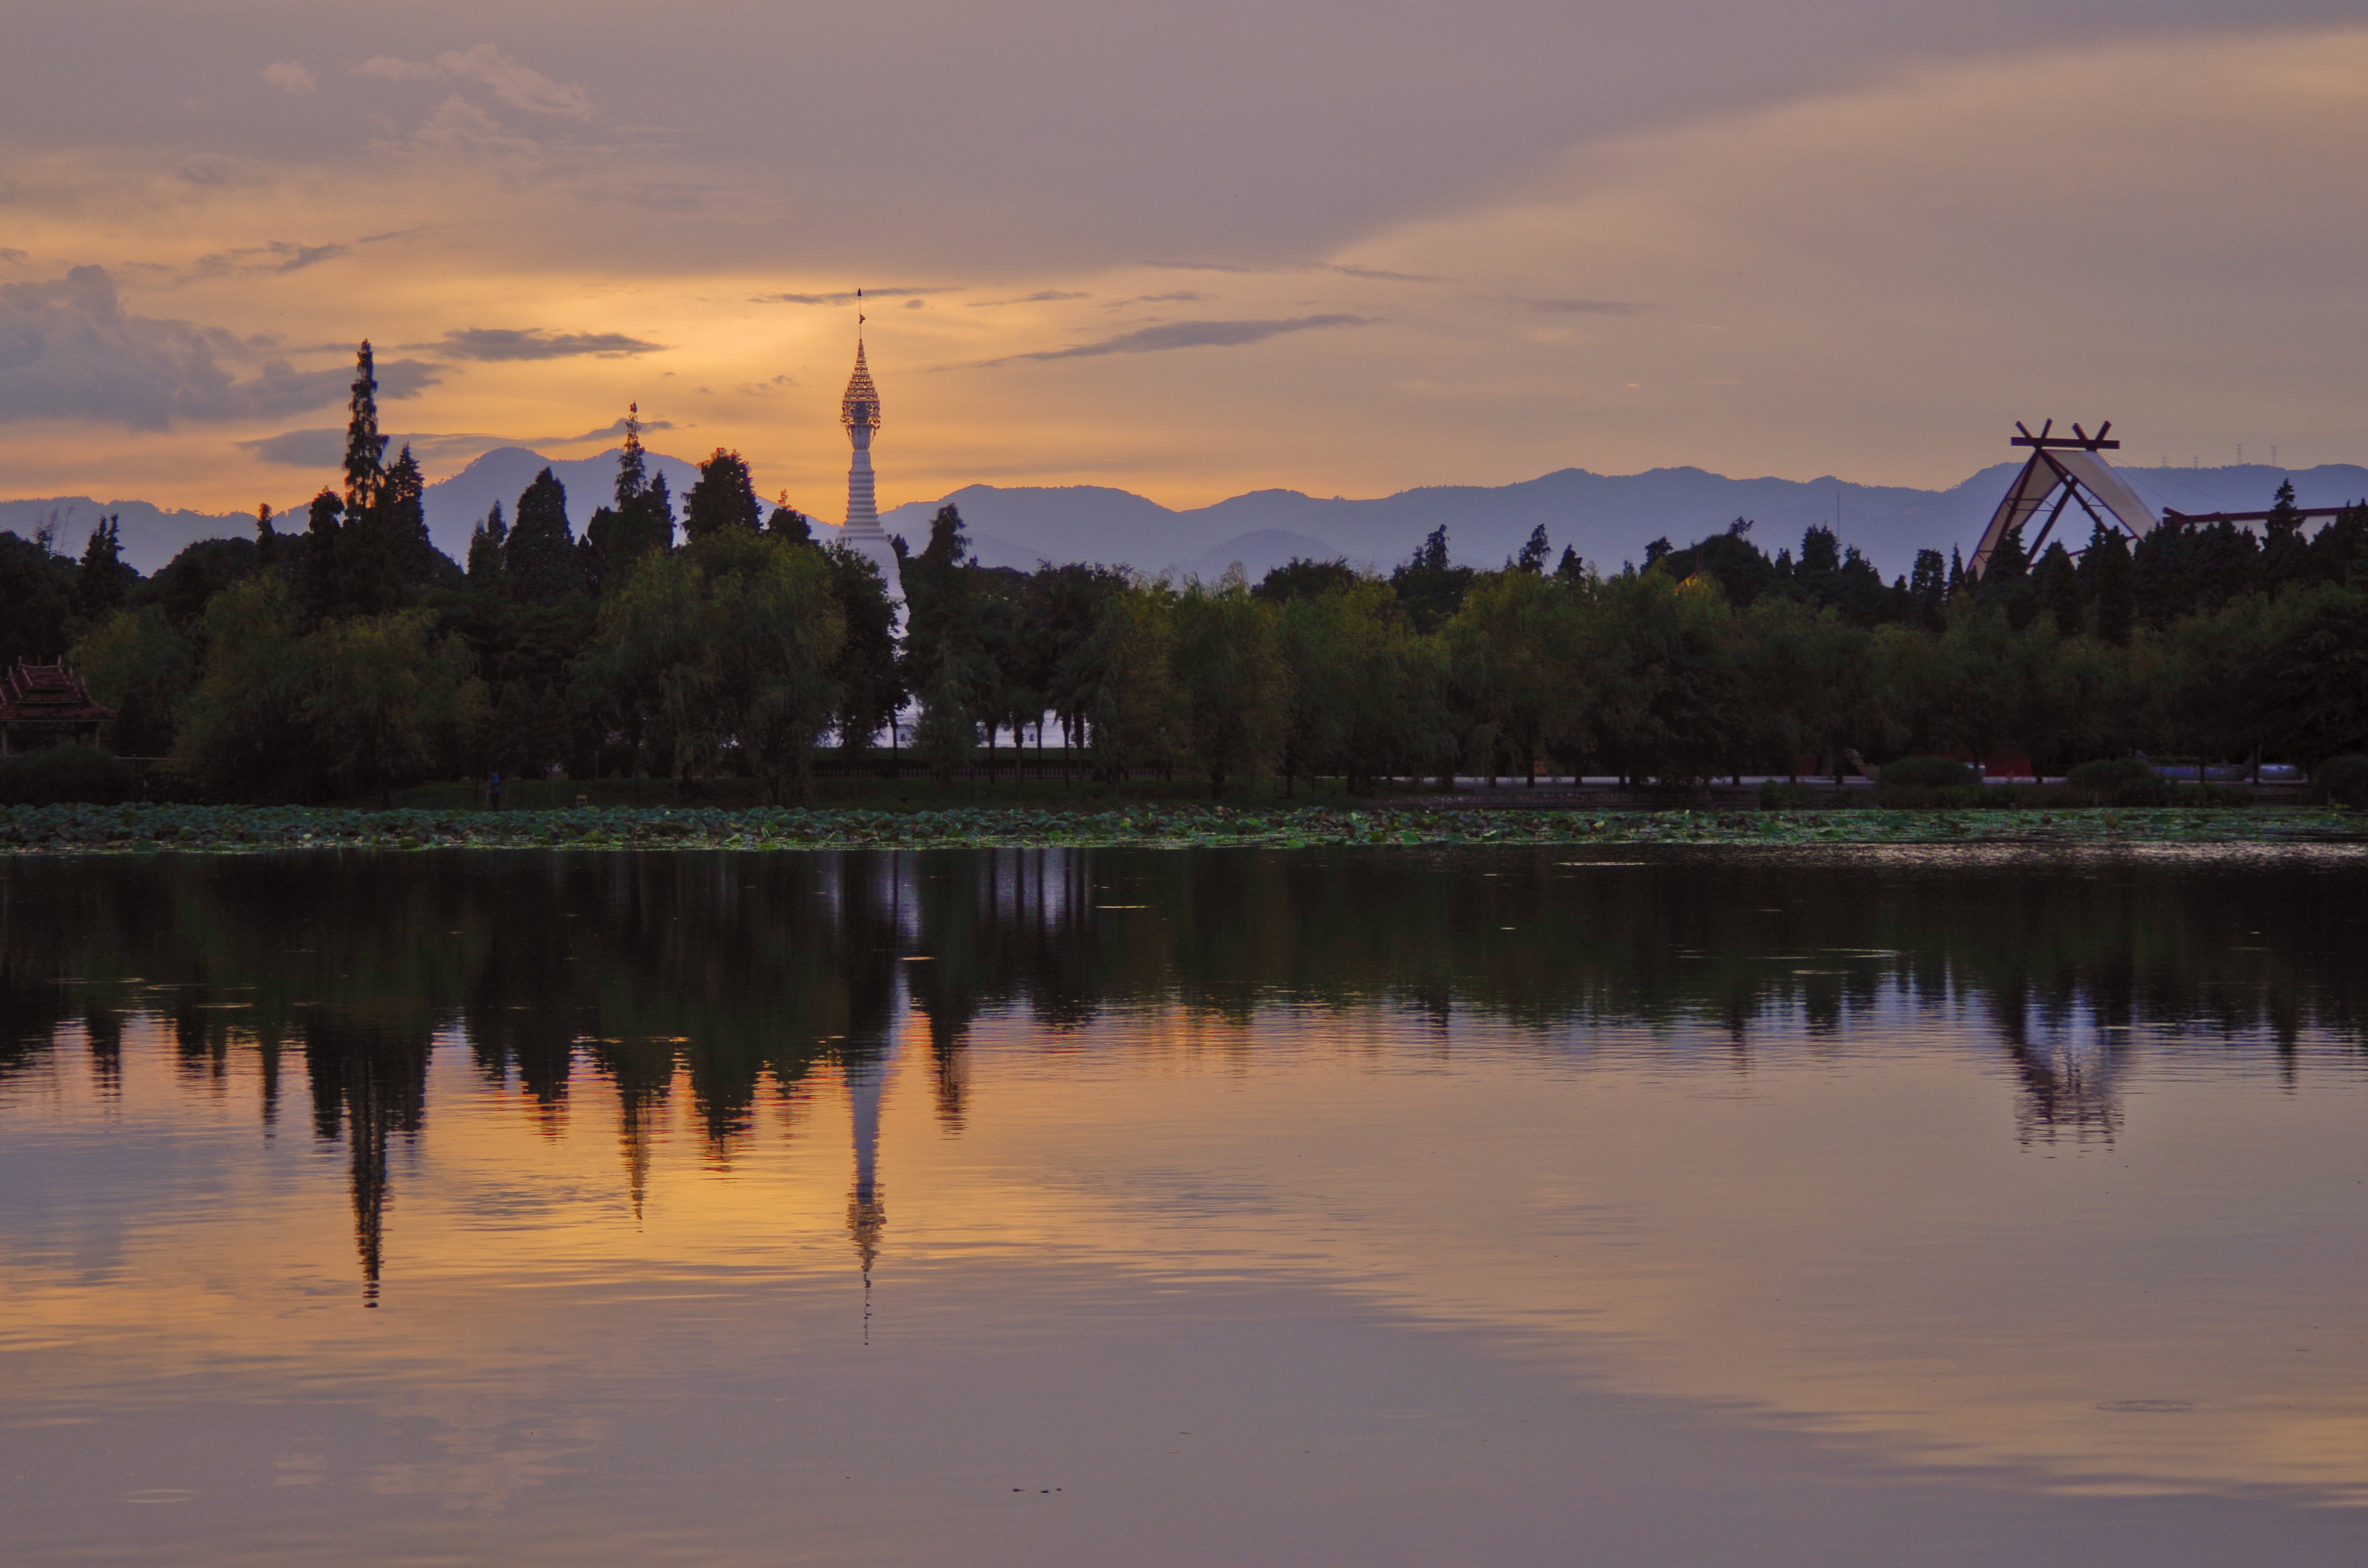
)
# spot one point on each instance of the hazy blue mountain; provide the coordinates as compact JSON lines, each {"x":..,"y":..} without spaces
{"x":151,"y":536}
{"x":1610,"y":517}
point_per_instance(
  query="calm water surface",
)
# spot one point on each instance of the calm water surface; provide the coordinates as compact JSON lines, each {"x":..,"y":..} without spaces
{"x":1365,"y":1206}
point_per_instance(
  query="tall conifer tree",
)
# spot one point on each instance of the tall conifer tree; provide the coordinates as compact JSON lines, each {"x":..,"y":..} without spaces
{"x":104,"y":580}
{"x":486,"y":550}
{"x":724,"y":498}
{"x":539,"y":553}
{"x":365,"y":447}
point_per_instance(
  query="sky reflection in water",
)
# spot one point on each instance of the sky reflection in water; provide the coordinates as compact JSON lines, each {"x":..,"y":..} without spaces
{"x":1141,"y":1207}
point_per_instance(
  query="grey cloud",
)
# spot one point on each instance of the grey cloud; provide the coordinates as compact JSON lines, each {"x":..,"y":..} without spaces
{"x":291,"y":76}
{"x":274,"y":256}
{"x":12,"y":257}
{"x":213,"y":169}
{"x":1041,"y":297}
{"x":1180,"y":297}
{"x":324,"y":446}
{"x":1344,"y":269}
{"x":1376,"y":274}
{"x":1189,"y":334}
{"x":603,"y":433}
{"x":520,"y":86}
{"x":69,"y":350}
{"x":1586,"y":307}
{"x":488,"y":343}
{"x":848,"y":298}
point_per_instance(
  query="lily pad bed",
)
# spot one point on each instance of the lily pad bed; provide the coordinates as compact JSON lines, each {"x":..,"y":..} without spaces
{"x":246,"y":829}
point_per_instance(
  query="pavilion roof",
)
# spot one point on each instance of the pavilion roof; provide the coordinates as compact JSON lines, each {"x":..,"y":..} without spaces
{"x":52,"y":694}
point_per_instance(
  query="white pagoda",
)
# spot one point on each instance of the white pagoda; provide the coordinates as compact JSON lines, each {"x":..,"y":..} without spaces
{"x":860,"y":412}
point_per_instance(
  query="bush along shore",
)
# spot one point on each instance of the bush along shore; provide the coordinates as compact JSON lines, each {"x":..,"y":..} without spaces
{"x":76,"y":829}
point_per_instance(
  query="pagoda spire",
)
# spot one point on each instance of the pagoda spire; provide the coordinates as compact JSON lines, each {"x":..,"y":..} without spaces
{"x":858,"y":410}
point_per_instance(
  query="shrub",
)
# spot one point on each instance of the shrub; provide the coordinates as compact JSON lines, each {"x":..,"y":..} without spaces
{"x":2341,"y":780}
{"x":1927,"y":773}
{"x":65,"y":773}
{"x":2106,"y":776}
{"x":1776,"y":795}
{"x":1966,"y":797}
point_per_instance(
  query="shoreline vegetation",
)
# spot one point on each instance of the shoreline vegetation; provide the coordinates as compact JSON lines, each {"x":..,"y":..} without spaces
{"x":726,"y":648}
{"x":152,"y":828}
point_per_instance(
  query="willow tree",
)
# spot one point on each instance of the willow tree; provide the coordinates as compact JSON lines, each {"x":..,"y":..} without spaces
{"x":726,"y":644}
{"x":1234,"y":681}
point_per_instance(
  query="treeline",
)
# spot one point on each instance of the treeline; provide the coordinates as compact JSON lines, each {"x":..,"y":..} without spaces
{"x":350,"y":655}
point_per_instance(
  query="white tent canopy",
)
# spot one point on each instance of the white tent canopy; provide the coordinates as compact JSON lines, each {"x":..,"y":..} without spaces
{"x":2057,"y":477}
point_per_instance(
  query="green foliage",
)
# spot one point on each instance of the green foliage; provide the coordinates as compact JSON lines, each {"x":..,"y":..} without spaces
{"x":139,"y":664}
{"x":1299,"y":577}
{"x":67,"y":773}
{"x":2342,"y":781}
{"x":1430,"y":586}
{"x":1776,"y":795}
{"x":726,"y":646}
{"x":387,"y":701}
{"x":1234,"y":682}
{"x":864,"y":669}
{"x":242,"y":731}
{"x":1927,"y":772}
{"x":70,"y":828}
{"x":2106,"y":778}
{"x":1138,"y":712}
{"x":282,"y":713}
{"x":199,"y":572}
{"x":36,"y":600}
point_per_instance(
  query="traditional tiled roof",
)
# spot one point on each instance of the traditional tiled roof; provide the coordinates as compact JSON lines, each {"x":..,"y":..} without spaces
{"x":48,"y":694}
{"x":862,"y":404}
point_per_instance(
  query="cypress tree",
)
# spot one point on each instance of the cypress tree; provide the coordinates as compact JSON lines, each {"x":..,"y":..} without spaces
{"x":1430,"y":588}
{"x":632,"y":473}
{"x":786,"y":522}
{"x":1533,"y":558}
{"x":402,"y":518}
{"x":2111,"y":589}
{"x":724,"y":498}
{"x":2060,"y":590}
{"x":365,"y":447}
{"x":539,"y":553}
{"x":486,"y":550}
{"x":104,"y":580}
{"x":317,"y":580}
{"x":1928,"y":589}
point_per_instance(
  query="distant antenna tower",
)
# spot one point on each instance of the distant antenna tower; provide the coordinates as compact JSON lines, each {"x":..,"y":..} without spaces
{"x":2274,"y":454}
{"x":2240,"y":454}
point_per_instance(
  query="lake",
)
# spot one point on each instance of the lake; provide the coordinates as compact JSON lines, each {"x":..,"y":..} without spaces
{"x":1649,"y":1206}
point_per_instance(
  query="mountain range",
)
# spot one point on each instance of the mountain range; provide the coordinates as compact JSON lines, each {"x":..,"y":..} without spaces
{"x":1609,"y":518}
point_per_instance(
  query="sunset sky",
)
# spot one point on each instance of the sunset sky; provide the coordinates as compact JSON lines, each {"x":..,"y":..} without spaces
{"x":1188,"y":250}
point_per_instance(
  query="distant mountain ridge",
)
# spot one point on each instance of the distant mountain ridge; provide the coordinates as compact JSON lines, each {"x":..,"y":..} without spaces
{"x":1608,"y":517}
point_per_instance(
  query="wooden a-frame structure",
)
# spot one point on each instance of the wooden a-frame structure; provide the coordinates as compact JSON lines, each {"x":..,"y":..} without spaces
{"x":2064,"y":470}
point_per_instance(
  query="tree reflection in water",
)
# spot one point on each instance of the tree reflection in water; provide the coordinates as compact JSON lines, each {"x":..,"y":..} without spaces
{"x":724,"y":973}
